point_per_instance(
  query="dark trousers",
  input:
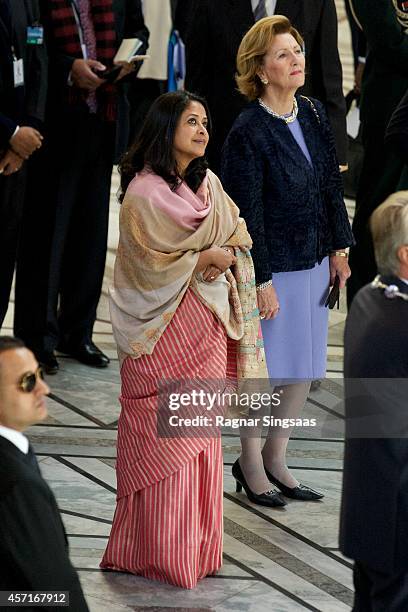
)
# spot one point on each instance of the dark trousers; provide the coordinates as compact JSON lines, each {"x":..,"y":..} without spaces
{"x":64,"y":234}
{"x":358,"y":42}
{"x":378,"y":592}
{"x":11,"y":209}
{"x":141,"y":95}
{"x":382,"y":174}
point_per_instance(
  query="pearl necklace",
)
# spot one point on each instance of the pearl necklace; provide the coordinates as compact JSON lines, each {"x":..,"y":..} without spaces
{"x":286,"y":118}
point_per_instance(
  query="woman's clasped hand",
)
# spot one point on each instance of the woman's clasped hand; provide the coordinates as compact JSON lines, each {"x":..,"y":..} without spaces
{"x":339,"y":266}
{"x":268,"y":303}
{"x":217,"y":260}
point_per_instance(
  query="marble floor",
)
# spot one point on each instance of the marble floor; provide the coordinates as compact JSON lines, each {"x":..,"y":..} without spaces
{"x":284,"y":560}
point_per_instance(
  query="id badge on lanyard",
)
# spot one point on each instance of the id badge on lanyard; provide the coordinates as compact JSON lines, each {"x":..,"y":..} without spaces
{"x":18,"y":71}
{"x":35,"y":35}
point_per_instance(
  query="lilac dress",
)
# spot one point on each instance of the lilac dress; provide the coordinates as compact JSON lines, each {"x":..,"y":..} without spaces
{"x":296,"y":341}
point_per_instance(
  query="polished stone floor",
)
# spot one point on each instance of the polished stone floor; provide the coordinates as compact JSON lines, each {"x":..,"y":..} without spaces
{"x":283,"y":560}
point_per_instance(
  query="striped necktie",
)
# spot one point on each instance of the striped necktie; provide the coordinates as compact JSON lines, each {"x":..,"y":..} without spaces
{"x":260,"y":10}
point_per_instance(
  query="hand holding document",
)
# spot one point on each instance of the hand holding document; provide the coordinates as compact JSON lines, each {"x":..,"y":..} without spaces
{"x":124,"y":61}
{"x":127,"y":57}
{"x":127,"y":50}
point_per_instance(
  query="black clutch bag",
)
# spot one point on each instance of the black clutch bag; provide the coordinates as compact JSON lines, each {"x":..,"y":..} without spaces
{"x":334,"y":295}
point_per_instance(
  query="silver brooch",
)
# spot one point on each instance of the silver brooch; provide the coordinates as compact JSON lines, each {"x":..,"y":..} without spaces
{"x":391,"y":291}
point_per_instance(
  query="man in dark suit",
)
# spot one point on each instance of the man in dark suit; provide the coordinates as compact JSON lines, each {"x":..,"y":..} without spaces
{"x":374,"y":514}
{"x":396,"y":136}
{"x":33,"y":544}
{"x":86,"y":128}
{"x":212,"y":39}
{"x":385,"y":81}
{"x":23,"y":82}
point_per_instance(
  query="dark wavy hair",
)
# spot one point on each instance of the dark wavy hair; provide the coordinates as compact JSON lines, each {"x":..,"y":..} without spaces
{"x":154,"y":144}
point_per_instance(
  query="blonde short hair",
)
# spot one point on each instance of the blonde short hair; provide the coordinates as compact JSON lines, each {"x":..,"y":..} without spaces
{"x":252,"y":49}
{"x":389,"y":228}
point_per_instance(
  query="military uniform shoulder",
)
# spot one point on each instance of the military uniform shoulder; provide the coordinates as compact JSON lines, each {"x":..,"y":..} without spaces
{"x":383,"y":305}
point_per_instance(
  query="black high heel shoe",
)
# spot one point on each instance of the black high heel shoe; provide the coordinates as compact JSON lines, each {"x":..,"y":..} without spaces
{"x":301,"y":492}
{"x":272,"y":498}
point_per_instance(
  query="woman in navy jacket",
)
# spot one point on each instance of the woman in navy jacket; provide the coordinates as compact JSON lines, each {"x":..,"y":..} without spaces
{"x":280,"y":167}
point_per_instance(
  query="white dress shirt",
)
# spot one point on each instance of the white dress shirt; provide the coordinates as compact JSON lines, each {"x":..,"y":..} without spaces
{"x":270,"y":6}
{"x":15,"y":437}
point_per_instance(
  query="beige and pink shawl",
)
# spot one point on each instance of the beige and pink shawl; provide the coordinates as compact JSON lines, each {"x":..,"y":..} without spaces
{"x":162,"y":232}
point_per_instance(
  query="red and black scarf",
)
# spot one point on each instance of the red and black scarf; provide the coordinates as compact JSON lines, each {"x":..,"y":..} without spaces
{"x":66,"y":37}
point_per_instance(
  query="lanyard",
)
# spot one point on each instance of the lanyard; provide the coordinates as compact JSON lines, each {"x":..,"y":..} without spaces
{"x":75,"y":10}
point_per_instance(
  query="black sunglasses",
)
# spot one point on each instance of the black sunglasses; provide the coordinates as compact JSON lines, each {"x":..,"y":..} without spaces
{"x":28,"y":381}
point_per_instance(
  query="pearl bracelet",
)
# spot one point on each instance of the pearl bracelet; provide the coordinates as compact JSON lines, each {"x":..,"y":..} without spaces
{"x":263,"y":286}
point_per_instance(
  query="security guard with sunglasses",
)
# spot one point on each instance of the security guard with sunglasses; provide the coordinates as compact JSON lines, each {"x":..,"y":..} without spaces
{"x":33,"y":543}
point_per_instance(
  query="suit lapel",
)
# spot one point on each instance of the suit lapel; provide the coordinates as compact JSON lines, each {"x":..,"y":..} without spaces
{"x":239,"y":16}
{"x":11,"y":450}
{"x":33,"y":15}
{"x":5,"y":20}
{"x":291,"y":9}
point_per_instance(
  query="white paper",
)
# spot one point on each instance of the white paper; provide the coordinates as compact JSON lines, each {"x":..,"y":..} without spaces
{"x":353,"y":121}
{"x":127,"y":49}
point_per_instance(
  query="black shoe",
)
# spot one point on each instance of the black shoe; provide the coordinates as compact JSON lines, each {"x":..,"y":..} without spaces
{"x":301,"y":492}
{"x":86,"y":353}
{"x":269,"y":498}
{"x":315,"y":385}
{"x":47,"y":361}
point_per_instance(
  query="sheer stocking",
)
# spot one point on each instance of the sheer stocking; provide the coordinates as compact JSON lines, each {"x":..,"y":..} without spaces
{"x":293,"y":399}
{"x":252,"y":464}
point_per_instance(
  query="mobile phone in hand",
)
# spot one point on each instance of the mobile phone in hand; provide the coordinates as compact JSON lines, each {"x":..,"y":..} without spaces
{"x":334,"y":294}
{"x":109,"y":75}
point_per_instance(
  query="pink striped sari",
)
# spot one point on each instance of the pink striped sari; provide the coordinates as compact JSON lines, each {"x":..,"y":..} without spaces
{"x":171,"y":325}
{"x":168,"y":520}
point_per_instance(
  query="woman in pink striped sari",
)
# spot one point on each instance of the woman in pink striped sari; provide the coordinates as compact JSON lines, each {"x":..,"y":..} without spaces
{"x":176,"y":316}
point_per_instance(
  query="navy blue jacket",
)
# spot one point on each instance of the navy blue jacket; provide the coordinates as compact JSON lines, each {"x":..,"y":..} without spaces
{"x":295,"y":213}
